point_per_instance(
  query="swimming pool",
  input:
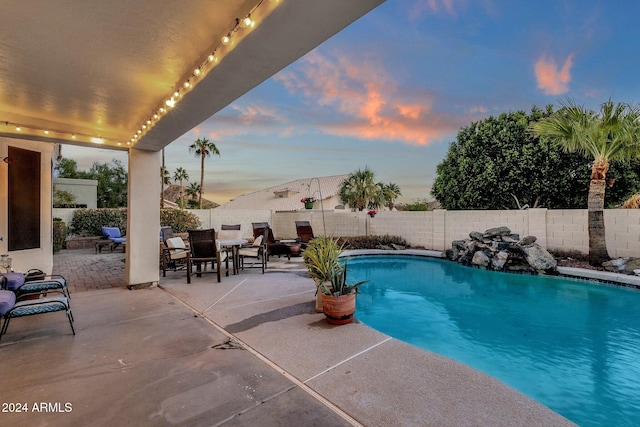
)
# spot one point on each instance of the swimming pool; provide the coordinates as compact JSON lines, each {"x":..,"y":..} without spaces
{"x":573,"y":346}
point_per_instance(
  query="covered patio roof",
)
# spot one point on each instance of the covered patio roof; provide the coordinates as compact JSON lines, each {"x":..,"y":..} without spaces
{"x":100,"y":72}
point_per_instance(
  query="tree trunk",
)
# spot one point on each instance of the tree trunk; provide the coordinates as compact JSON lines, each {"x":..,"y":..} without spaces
{"x":597,"y":243}
{"x":201,"y":179}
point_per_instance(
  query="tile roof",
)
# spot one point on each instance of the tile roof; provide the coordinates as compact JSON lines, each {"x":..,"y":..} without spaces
{"x":286,"y":197}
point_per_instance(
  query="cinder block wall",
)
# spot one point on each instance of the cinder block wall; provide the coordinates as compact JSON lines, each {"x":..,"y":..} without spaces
{"x":561,"y":230}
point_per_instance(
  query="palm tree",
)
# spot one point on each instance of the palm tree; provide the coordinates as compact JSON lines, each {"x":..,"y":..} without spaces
{"x":181,"y":175}
{"x":193,"y":190}
{"x":390,"y":192}
{"x":611,"y":134}
{"x":360,"y":191}
{"x":203,"y":148}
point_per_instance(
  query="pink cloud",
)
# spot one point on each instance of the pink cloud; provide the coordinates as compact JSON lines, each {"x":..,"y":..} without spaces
{"x":370,"y":103}
{"x":551,"y":80}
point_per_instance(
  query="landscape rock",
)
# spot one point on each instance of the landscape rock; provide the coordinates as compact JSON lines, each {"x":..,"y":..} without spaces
{"x":475,"y":235}
{"x":539,"y":258}
{"x":499,"y":249}
{"x":497,"y":231}
{"x":630,"y":266}
{"x":528,"y":240}
{"x":481,"y":259}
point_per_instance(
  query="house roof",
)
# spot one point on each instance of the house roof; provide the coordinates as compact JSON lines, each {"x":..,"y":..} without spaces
{"x":286,"y":197}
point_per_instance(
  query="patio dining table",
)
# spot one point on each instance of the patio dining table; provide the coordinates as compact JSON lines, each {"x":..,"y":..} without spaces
{"x":234,"y":244}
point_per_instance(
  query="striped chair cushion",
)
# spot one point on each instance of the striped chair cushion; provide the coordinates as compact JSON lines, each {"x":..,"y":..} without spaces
{"x":39,"y":306}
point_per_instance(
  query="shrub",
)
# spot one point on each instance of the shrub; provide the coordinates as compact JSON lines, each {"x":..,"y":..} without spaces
{"x":59,"y":234}
{"x":89,"y":222}
{"x":179,"y":220}
{"x":371,"y":242}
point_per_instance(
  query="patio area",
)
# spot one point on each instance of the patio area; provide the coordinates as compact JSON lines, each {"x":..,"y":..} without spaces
{"x":248,"y":351}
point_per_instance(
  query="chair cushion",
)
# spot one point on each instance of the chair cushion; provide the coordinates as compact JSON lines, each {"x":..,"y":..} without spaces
{"x":178,"y":254}
{"x":7,"y":301}
{"x":251,"y":252}
{"x":176,"y":243}
{"x":230,"y":234}
{"x":39,"y":306}
{"x":14,"y":280}
{"x":258,"y":241}
{"x":111,"y":232}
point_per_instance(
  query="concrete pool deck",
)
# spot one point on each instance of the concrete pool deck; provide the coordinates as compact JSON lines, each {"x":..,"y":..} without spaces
{"x":247,"y":351}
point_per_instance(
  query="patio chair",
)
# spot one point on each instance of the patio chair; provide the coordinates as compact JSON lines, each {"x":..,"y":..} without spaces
{"x":274,"y":247}
{"x":113,"y":234}
{"x":22,"y":286}
{"x":10,"y":308}
{"x":305,"y":232}
{"x":166,"y":232}
{"x":205,"y":249}
{"x":230,"y":227}
{"x":257,"y":250}
{"x":175,"y":256}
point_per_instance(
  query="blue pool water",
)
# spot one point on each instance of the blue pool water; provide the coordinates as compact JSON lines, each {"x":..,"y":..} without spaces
{"x":573,"y":346}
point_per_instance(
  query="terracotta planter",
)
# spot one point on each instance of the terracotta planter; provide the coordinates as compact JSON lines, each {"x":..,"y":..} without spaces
{"x":340,"y":310}
{"x":319,"y":297}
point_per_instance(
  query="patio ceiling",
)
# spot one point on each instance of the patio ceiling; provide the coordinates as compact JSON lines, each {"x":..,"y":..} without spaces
{"x":95,"y":71}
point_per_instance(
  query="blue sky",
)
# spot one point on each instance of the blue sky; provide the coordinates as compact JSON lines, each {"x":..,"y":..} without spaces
{"x":391,"y":91}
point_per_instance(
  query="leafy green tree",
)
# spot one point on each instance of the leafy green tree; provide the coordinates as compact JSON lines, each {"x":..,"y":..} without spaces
{"x":203,"y":148}
{"x":112,"y":180}
{"x":68,"y":168}
{"x":613,"y":133}
{"x":497,"y":163}
{"x":181,"y":175}
{"x":359,"y":190}
{"x":112,"y":184}
{"x":62,"y":198}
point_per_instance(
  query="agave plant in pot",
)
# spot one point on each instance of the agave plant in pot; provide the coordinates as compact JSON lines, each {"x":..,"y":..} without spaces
{"x":321,"y":258}
{"x":338,"y":297}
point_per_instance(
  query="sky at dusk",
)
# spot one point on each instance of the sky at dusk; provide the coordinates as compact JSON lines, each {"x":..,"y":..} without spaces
{"x":391,"y":91}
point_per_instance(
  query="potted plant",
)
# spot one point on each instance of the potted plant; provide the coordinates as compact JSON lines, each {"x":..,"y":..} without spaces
{"x":321,"y":258}
{"x":308,"y":202}
{"x":372,"y":213}
{"x":338,"y":297}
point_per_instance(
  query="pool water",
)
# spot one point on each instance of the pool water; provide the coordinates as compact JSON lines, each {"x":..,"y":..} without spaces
{"x":573,"y":346}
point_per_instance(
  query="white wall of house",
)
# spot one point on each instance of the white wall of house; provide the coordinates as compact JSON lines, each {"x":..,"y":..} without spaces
{"x":41,"y":257}
{"x":85,"y":190}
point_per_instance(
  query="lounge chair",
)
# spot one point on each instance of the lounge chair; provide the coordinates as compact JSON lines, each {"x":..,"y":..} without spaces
{"x":274,"y":247}
{"x":305,"y":232}
{"x":10,"y":308}
{"x":113,"y":234}
{"x":204,"y":249}
{"x":19,"y":284}
{"x":175,"y":256}
{"x":230,"y":227}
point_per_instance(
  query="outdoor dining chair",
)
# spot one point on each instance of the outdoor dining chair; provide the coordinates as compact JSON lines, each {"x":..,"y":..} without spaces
{"x":205,"y":249}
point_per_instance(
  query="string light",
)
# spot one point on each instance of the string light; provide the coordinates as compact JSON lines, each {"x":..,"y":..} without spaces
{"x":33,"y":130}
{"x":211,"y":59}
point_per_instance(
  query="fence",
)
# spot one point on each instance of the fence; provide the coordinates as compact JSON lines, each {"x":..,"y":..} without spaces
{"x":557,"y":230}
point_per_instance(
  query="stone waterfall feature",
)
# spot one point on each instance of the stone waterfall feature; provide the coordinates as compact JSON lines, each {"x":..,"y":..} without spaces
{"x":500,"y":250}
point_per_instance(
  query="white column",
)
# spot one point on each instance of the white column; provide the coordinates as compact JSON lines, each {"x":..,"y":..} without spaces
{"x":143,"y":218}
